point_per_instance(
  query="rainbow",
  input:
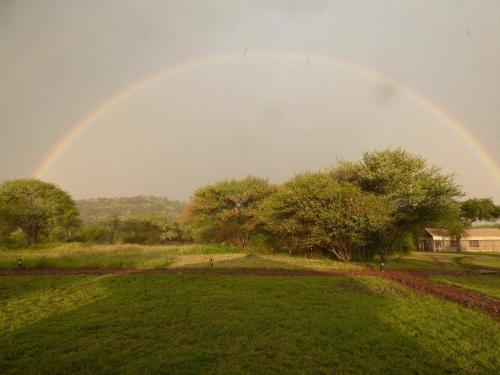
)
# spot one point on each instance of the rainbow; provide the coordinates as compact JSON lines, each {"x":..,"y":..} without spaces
{"x":63,"y":143}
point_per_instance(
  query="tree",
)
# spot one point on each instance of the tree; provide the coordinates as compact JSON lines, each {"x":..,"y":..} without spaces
{"x":35,"y":207}
{"x":113,"y":226}
{"x":150,"y":230}
{"x":94,"y":234}
{"x":97,"y":210}
{"x":228,"y":211}
{"x":314,"y":211}
{"x":479,"y":209}
{"x":470,"y":211}
{"x":65,"y":230}
{"x":418,"y":195}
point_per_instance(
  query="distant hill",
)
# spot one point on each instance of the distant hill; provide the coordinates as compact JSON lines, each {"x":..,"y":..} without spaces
{"x":93,"y":211}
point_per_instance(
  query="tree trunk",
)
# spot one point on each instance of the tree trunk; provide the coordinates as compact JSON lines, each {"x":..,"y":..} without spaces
{"x":459,"y":246}
{"x":384,"y":250}
{"x":32,"y":235}
{"x":343,"y":253}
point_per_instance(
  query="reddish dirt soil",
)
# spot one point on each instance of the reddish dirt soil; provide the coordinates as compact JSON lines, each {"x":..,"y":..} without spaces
{"x":449,"y":292}
{"x":411,"y":279}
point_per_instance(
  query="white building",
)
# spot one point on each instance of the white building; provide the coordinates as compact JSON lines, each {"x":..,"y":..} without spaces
{"x":479,"y":239}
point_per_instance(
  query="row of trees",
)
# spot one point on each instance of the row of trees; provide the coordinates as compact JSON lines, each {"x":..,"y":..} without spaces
{"x":372,"y":206}
{"x":375,"y":205}
{"x":145,"y":229}
{"x":38,"y":211}
{"x":98,"y":210}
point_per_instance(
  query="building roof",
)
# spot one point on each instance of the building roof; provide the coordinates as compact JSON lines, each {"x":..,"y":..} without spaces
{"x":473,"y":233}
{"x":437,"y":232}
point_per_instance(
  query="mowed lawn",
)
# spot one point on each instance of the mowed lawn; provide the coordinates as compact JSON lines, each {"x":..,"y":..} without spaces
{"x":236,"y":324}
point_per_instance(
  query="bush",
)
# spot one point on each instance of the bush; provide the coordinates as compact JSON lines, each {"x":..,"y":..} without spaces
{"x":406,"y":244}
{"x":16,"y":240}
{"x":94,"y":234}
{"x":150,"y":230}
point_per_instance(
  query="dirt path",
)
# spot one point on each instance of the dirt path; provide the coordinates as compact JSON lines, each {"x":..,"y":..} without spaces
{"x":411,"y":279}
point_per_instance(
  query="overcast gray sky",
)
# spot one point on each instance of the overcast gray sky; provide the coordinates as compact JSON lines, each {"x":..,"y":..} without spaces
{"x":271,"y":114}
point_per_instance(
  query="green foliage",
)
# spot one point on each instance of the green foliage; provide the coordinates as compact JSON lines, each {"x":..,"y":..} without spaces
{"x":406,"y":244}
{"x":94,"y":234}
{"x":468,"y":212}
{"x":482,"y":209}
{"x":314,"y":211}
{"x":417,"y":195}
{"x":112,"y":225}
{"x":228,"y":211}
{"x":14,"y":240}
{"x":36,"y":208}
{"x":98,"y":210}
{"x":150,"y":230}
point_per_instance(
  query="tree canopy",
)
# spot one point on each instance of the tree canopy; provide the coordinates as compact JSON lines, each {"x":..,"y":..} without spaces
{"x":35,"y":207}
{"x":479,"y":209}
{"x":150,"y":230}
{"x":228,"y":211}
{"x":417,"y":194}
{"x":377,"y":204}
{"x":314,"y":211}
{"x":469,"y":212}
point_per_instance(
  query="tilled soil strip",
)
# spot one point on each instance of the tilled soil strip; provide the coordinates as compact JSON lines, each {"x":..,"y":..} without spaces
{"x":449,"y":292}
{"x":413,"y":280}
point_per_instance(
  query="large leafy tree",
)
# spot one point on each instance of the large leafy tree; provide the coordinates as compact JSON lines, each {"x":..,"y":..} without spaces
{"x":417,"y":194}
{"x":35,"y":207}
{"x":469,"y":212}
{"x":314,"y":211}
{"x":479,"y":209}
{"x":227,"y":211}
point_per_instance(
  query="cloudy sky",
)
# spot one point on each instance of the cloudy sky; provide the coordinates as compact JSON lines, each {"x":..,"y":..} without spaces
{"x":231,"y":88}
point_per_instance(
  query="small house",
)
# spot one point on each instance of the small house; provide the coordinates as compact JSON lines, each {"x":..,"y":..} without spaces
{"x":475,"y":239}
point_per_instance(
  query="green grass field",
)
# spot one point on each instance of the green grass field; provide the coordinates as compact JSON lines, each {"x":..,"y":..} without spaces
{"x":107,"y":256}
{"x":235,"y":324}
{"x":443,"y":261}
{"x":238,"y":324}
{"x":151,"y":257}
{"x":485,"y":284}
{"x":154,"y":257}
